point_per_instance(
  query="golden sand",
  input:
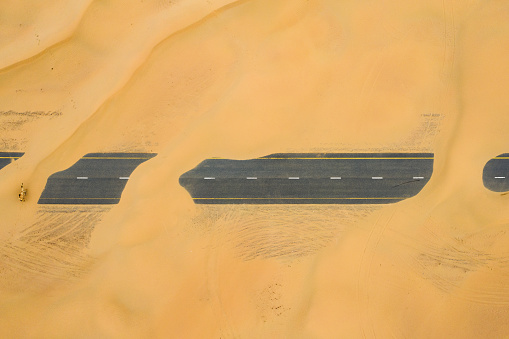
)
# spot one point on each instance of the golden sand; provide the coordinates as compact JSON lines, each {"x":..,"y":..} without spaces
{"x":196,"y":79}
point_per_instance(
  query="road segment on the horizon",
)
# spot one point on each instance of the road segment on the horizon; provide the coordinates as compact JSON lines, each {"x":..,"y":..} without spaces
{"x":97,"y":178}
{"x":310,"y":178}
{"x":495,"y":174}
{"x":8,"y":157}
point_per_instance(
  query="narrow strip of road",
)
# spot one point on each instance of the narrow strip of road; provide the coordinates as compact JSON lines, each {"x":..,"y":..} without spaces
{"x":9,"y":157}
{"x":310,"y":178}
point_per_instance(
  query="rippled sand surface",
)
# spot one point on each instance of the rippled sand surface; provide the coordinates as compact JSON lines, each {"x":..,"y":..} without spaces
{"x":192,"y":79}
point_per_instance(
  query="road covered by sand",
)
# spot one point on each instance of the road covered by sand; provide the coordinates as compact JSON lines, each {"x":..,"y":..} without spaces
{"x":194,"y":79}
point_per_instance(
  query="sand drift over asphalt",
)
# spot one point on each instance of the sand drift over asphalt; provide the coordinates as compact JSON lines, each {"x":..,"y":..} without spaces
{"x":96,"y":179}
{"x":192,"y":79}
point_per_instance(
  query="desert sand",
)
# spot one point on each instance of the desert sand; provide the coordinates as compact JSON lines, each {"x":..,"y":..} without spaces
{"x":192,"y":79}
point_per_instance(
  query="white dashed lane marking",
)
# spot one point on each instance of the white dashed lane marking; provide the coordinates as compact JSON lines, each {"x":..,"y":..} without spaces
{"x":124,"y":178}
{"x":499,"y":177}
{"x":82,"y":178}
{"x":295,"y":178}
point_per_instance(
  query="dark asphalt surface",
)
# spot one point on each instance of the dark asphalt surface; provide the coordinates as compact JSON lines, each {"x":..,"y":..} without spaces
{"x":310,"y":178}
{"x":7,"y":157}
{"x":97,"y":178}
{"x":495,"y":175}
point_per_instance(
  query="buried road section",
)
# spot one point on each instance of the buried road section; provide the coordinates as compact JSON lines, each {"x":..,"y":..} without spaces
{"x":97,"y":178}
{"x":495,"y":175}
{"x":310,"y":178}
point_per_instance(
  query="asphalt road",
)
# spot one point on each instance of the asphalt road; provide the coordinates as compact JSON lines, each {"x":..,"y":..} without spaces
{"x":7,"y":157}
{"x":97,"y":178}
{"x":310,"y":178}
{"x":495,"y":175}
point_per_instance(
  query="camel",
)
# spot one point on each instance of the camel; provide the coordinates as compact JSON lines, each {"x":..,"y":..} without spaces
{"x":22,"y":194}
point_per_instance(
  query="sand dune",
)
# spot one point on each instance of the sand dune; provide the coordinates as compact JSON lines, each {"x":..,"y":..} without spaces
{"x":195,"y":79}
